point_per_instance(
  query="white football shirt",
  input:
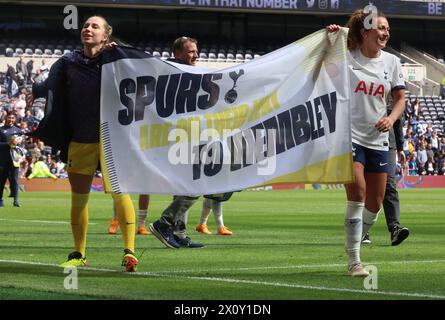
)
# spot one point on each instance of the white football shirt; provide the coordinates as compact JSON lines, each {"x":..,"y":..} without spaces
{"x":372,"y":81}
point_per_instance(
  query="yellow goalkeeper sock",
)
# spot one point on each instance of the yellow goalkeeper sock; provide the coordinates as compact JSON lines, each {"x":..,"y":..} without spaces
{"x":126,"y":217}
{"x":79,"y":220}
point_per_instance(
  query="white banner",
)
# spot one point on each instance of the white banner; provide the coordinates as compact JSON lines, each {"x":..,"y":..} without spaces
{"x":169,"y":128}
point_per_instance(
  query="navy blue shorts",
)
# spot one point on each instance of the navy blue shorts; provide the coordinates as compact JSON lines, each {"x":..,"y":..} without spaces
{"x":372,"y":160}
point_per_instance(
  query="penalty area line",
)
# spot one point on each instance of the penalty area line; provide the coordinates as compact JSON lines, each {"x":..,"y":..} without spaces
{"x":241,"y":281}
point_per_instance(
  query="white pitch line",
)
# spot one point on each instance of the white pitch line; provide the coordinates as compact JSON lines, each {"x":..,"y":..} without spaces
{"x":42,"y":221}
{"x":240,"y":281}
{"x":304,"y":266}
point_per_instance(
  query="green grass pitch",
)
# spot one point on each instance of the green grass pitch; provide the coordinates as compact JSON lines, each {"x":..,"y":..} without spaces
{"x":288,"y":245}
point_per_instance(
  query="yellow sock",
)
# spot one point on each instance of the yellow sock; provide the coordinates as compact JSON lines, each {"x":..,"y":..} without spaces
{"x":79,"y":220}
{"x":126,"y":217}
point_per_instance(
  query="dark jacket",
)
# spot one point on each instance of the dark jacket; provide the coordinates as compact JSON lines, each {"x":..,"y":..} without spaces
{"x":54,"y":128}
{"x":5,"y":150}
{"x":396,"y":133}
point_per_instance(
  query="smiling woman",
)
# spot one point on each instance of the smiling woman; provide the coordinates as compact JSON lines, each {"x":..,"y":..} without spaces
{"x":375,"y":77}
{"x":71,"y":124}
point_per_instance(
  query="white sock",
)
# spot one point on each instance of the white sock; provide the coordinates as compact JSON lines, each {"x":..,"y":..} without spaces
{"x":217,"y":211}
{"x":369,"y":218}
{"x":186,"y":217}
{"x":142,"y":215}
{"x":353,"y":230}
{"x":205,"y":212}
{"x":114,"y":212}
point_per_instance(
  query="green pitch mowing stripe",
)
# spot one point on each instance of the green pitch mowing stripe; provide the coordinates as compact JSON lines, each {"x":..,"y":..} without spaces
{"x":241,"y":281}
{"x":287,"y":245}
{"x":32,"y":294}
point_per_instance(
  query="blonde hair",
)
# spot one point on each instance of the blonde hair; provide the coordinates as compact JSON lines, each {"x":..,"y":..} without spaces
{"x":356,"y":25}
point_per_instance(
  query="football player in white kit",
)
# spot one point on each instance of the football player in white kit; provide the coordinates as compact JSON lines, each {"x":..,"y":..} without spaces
{"x":374,"y":76}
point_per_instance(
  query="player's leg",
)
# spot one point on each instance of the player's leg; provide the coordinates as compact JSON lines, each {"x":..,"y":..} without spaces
{"x":14,"y":185}
{"x":144,"y":201}
{"x":80,"y":190}
{"x":114,"y":224}
{"x":126,"y":217}
{"x":205,"y":212}
{"x":83,"y":159}
{"x":182,"y":205}
{"x":3,"y":177}
{"x":218,"y":213}
{"x":355,"y":194}
{"x":391,"y":203}
{"x":376,"y":172}
{"x":375,"y":192}
{"x":170,"y":229}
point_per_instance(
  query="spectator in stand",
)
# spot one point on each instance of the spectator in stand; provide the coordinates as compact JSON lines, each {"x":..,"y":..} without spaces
{"x":42,"y":74}
{"x":24,"y":127}
{"x":434,"y":141}
{"x":408,"y":132}
{"x":413,"y":122}
{"x":23,"y":169}
{"x":416,"y":108}
{"x":442,"y":168}
{"x":29,"y":69}
{"x":21,"y":69}
{"x":20,"y":104}
{"x":438,"y":159}
{"x":50,"y":163}
{"x":11,"y":80}
{"x":442,"y":143}
{"x":29,"y":118}
{"x":61,"y":169}
{"x":429,"y":150}
{"x":429,"y":130}
{"x":412,"y":147}
{"x":421,"y":128}
{"x":422,"y":156}
{"x":412,"y":165}
{"x":430,"y":167}
{"x":41,"y":170}
{"x":44,"y":66}
{"x":442,"y":89}
{"x":35,"y":152}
